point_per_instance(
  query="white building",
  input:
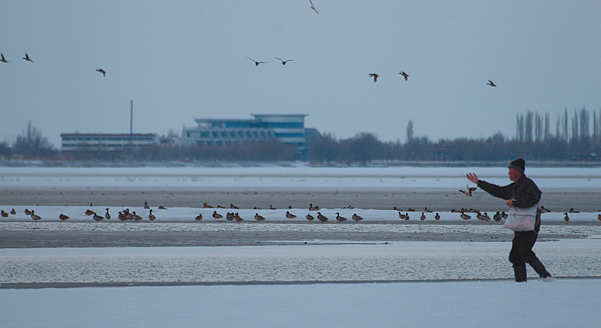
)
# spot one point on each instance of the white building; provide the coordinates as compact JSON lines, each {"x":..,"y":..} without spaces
{"x":106,"y":142}
{"x":286,"y":128}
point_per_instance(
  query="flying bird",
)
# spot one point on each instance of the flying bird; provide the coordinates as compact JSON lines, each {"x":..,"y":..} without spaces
{"x":468,"y":191}
{"x":2,"y":59}
{"x":283,"y":61}
{"x":405,"y":75}
{"x":313,"y":7}
{"x":256,"y":62}
{"x":491,"y":83}
{"x":101,"y":71}
{"x":375,"y":76}
{"x":27,"y":58}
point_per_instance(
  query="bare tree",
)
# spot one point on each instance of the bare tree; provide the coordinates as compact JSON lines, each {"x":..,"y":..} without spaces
{"x":31,"y":142}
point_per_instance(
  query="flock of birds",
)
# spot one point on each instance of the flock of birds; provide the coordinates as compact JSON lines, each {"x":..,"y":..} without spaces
{"x":126,"y":215}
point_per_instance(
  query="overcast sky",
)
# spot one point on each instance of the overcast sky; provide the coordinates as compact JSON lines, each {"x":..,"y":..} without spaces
{"x":181,"y":60}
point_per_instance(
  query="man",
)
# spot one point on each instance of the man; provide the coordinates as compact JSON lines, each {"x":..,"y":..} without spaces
{"x":522,"y":197}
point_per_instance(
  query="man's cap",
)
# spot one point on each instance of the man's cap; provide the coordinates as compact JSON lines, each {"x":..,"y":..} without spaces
{"x":518,"y":164}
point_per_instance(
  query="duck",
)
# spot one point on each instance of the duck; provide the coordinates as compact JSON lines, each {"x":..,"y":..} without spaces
{"x":284,"y":61}
{"x":465,"y":216}
{"x":97,"y":217}
{"x":146,"y":207}
{"x":198,"y":217}
{"x":3,"y":214}
{"x":234,"y":206}
{"x":63,"y":217}
{"x":217,"y":215}
{"x":410,"y":209}
{"x":437,"y":216}
{"x":348,"y":207}
{"x":423,"y":216}
{"x":256,"y":62}
{"x":34,"y":216}
{"x":313,"y":208}
{"x":483,"y":217}
{"x":128,"y":215}
{"x":322,"y":218}
{"x":504,"y":215}
{"x":122,"y":217}
{"x":396,"y":209}
{"x":405,"y":75}
{"x":566,"y":218}
{"x":13,"y":212}
{"x":490,"y":83}
{"x":205,"y":205}
{"x":2,"y":59}
{"x":27,"y":212}
{"x":309,"y":217}
{"x":290,"y":215}
{"x":468,"y":191}
{"x":219,"y":206}
{"x":403,"y":216}
{"x":272,"y":208}
{"x":27,"y":58}
{"x":136,"y":217}
{"x":107,"y":215}
{"x":101,"y":71}
{"x":237,"y":218}
{"x":497,"y":217}
{"x":356,"y":218}
{"x":161,"y":207}
{"x":375,"y":76}
{"x":229,"y":216}
{"x":259,"y":218}
{"x":426,"y":210}
{"x":151,"y":216}
{"x":340,"y":218}
{"x":90,"y":212}
{"x":599,"y":217}
{"x":544,"y":210}
{"x":573,"y":210}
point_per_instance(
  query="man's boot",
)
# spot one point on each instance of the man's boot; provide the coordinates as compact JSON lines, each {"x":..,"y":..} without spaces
{"x":540,"y":268}
{"x":520,"y":272}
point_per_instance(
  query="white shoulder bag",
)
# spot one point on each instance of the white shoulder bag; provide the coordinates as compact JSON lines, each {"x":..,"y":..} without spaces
{"x":521,"y":219}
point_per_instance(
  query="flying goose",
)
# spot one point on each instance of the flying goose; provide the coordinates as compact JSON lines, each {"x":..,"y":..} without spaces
{"x":313,"y":7}
{"x":491,"y":83}
{"x":27,"y":58}
{"x":375,"y":76}
{"x":2,"y":59}
{"x":256,"y":62}
{"x":468,"y":191}
{"x":283,"y":61}
{"x":101,"y":71}
{"x":405,"y":75}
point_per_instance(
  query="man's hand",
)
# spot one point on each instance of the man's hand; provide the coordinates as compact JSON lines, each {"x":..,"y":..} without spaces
{"x":509,"y":202}
{"x":472,"y":177}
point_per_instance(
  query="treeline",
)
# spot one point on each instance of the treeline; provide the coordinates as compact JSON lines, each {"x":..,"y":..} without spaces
{"x":576,"y":137}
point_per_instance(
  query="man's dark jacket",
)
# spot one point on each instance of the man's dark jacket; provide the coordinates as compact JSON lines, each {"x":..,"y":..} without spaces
{"x":524,"y":193}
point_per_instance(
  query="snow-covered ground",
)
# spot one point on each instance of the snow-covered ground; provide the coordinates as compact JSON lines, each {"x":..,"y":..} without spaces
{"x":350,"y":284}
{"x":301,"y":176}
